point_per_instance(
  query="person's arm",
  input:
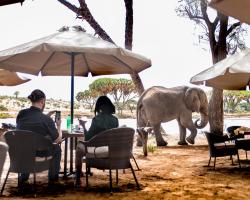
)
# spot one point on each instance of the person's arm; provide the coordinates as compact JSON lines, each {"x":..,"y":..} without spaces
{"x":93,"y":129}
{"x":51,"y":113}
{"x":83,"y":124}
{"x":59,"y":130}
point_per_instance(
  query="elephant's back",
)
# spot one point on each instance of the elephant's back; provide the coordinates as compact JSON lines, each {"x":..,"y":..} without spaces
{"x":162,"y":91}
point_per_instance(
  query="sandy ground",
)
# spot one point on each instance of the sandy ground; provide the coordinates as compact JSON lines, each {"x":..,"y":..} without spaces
{"x":173,"y":172}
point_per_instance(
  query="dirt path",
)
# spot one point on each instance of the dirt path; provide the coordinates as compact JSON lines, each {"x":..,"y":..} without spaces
{"x":168,"y":173}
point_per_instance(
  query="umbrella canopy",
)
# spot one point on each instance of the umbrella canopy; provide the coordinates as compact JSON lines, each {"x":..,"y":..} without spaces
{"x":51,"y":56}
{"x":8,"y":78}
{"x":238,"y":9}
{"x":232,"y":73}
{"x":7,"y":2}
{"x":71,"y":51}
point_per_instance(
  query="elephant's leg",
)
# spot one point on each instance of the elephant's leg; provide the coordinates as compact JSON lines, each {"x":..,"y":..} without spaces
{"x":182,"y":130}
{"x":159,"y":139}
{"x":186,"y":121}
{"x":138,"y":140}
{"x":193,"y":134}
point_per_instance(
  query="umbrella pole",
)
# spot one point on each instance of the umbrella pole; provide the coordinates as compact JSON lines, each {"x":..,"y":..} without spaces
{"x":72,"y":55}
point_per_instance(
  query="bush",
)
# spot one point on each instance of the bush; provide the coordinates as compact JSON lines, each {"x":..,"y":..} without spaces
{"x":5,"y":115}
{"x":151,"y":148}
{"x":3,"y":108}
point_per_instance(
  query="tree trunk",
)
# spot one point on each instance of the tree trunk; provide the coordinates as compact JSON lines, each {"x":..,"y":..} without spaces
{"x":129,"y":42}
{"x":216,"y":111}
{"x":219,"y":52}
{"x":138,"y":83}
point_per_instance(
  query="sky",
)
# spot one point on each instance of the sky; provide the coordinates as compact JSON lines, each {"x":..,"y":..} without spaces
{"x":169,"y":41}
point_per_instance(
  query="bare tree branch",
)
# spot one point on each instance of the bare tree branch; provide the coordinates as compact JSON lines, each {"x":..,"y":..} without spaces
{"x":129,"y":24}
{"x":191,"y":16}
{"x":84,"y":13}
{"x":203,"y":7}
{"x":69,"y":5}
{"x":232,"y":27}
{"x":215,"y":22}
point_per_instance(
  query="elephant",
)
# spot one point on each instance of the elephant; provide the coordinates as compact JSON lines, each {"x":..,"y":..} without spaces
{"x":158,"y":104}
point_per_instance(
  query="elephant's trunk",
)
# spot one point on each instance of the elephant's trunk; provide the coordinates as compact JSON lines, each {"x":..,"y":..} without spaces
{"x":202,"y":121}
{"x":203,"y":111}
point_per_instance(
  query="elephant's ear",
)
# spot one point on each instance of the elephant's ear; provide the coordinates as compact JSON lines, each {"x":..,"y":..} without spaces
{"x":192,"y":99}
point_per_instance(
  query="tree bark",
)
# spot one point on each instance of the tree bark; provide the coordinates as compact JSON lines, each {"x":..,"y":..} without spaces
{"x":129,"y":42}
{"x":219,"y":52}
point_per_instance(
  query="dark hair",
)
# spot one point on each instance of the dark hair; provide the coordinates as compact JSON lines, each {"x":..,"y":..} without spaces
{"x":104,"y":104}
{"x":36,"y":95}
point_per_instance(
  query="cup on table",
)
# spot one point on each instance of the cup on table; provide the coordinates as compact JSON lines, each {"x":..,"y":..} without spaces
{"x":77,"y":127}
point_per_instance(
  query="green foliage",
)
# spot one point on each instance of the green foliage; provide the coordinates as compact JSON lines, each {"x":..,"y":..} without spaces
{"x":103,"y":86}
{"x":76,"y":106}
{"x":87,"y":97}
{"x":5,"y":115}
{"x":121,"y":90}
{"x":3,"y":108}
{"x":233,"y":100}
{"x":151,"y":148}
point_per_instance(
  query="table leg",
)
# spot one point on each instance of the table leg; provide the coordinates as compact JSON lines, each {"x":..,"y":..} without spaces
{"x":71,"y":155}
{"x":65,"y":157}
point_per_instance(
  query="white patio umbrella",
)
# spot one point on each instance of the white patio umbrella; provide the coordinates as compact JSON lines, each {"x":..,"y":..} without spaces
{"x":71,"y":52}
{"x":239,"y":9}
{"x":8,"y":78}
{"x":232,"y":73}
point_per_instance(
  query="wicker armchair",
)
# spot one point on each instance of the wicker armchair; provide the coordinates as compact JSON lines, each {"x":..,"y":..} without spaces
{"x":219,"y":148}
{"x":112,"y":150}
{"x":24,"y":149}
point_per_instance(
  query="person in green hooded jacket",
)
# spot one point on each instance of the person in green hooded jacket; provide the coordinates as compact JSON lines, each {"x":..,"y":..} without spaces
{"x":103,"y":120}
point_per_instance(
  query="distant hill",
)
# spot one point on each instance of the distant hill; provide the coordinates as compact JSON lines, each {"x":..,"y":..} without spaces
{"x":12,"y":105}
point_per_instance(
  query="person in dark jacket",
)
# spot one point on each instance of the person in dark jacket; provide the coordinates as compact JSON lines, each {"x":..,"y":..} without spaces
{"x":33,"y":119}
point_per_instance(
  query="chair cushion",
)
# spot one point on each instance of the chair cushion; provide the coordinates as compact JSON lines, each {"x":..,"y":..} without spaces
{"x":98,"y":152}
{"x":223,"y":145}
{"x":41,"y":159}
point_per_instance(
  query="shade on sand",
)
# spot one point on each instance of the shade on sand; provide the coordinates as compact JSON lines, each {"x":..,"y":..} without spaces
{"x":8,"y":78}
{"x":232,"y":73}
{"x":239,"y":9}
{"x":72,"y":52}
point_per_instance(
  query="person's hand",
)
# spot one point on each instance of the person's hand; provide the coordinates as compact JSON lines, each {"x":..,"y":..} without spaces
{"x":58,"y":123}
{"x":82,"y":122}
{"x":51,"y":112}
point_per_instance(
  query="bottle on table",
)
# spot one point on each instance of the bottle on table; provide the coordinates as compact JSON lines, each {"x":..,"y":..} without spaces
{"x":68,"y":120}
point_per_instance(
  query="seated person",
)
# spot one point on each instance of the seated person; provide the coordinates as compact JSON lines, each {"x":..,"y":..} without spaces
{"x":103,"y":120}
{"x":34,"y":120}
{"x":3,"y":152}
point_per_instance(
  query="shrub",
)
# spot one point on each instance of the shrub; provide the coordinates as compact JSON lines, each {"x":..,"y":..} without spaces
{"x":5,"y":115}
{"x":151,"y":148}
{"x":3,"y":108}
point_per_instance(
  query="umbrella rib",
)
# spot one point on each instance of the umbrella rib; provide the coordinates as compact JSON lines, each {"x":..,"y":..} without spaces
{"x":46,"y":62}
{"x":123,"y":63}
{"x":86,"y":61}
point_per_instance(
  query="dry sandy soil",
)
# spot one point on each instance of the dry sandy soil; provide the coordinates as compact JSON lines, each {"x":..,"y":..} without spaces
{"x":173,"y":172}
